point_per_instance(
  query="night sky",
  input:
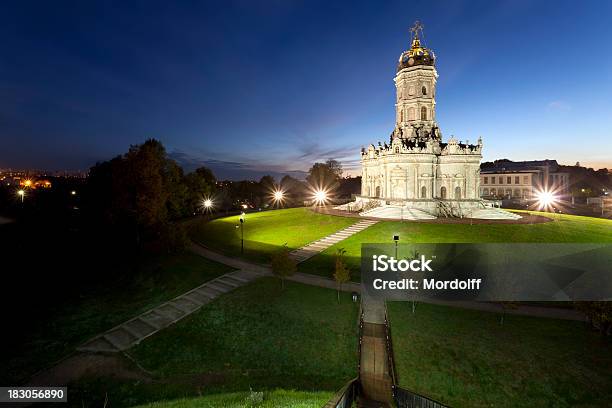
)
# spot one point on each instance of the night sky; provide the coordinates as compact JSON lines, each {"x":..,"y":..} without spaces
{"x":255,"y":87}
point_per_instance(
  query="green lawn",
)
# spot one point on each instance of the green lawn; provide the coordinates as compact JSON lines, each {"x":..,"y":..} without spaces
{"x":265,"y":232}
{"x":68,"y":323}
{"x":257,"y":336}
{"x":273,"y":399}
{"x":565,"y":228}
{"x":466,"y":358}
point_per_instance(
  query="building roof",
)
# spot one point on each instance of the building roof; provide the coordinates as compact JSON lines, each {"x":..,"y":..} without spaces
{"x":417,"y":54}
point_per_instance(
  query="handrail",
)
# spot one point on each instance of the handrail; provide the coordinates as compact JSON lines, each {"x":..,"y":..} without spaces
{"x":390,"y":356}
{"x":345,"y":397}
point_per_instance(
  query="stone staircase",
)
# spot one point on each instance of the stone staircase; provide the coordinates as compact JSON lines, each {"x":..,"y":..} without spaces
{"x":133,"y":331}
{"x":490,"y":213}
{"x":310,"y":250}
{"x":397,"y":213}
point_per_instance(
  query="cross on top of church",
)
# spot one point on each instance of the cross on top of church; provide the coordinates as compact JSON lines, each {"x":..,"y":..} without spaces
{"x":416,"y":28}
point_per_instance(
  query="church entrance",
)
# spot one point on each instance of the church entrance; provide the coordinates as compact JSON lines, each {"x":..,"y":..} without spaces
{"x":458,"y":193}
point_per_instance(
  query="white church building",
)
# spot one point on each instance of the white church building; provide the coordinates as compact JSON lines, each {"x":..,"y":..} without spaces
{"x":416,"y":175}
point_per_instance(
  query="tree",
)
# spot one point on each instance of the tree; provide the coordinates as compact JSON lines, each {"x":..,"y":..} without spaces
{"x":201,"y":184}
{"x":599,"y":314}
{"x":283,"y":265}
{"x":342,"y":273}
{"x":325,"y":175}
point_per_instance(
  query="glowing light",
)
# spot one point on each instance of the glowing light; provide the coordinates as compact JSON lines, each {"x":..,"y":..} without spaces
{"x":73,"y":192}
{"x":245,"y":206}
{"x":21,"y":192}
{"x":320,"y":196}
{"x":279,"y":195}
{"x":207,"y":203}
{"x":546,"y":198}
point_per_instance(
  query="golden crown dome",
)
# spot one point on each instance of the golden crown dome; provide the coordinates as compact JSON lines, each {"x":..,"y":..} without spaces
{"x":417,"y":54}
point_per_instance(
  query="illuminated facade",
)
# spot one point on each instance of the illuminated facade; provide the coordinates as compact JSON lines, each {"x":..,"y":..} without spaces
{"x":416,"y":169}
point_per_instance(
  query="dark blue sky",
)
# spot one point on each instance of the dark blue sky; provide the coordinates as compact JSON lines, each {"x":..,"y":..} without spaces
{"x":251,"y":87}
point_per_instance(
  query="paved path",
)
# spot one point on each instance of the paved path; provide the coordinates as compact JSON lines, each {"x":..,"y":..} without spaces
{"x":310,"y":250}
{"x":374,"y":374}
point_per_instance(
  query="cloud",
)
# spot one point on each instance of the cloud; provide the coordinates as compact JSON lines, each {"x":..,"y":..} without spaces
{"x":294,"y":162}
{"x":559,"y":105}
{"x":234,"y":170}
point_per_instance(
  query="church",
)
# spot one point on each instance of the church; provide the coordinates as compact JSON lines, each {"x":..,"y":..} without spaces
{"x":416,"y":174}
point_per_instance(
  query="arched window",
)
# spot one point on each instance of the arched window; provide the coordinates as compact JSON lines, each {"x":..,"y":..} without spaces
{"x":485,"y":192}
{"x":423,"y":192}
{"x":411,"y":114}
{"x":457,"y":192}
{"x":493,"y":192}
{"x":423,"y":113}
{"x":443,"y":193}
{"x":397,"y":149}
{"x":377,"y":191}
{"x":424,"y":90}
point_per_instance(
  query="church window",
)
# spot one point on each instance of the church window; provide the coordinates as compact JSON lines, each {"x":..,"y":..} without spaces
{"x":457,"y":192}
{"x":443,"y":193}
{"x":411,"y":90}
{"x":411,"y":114}
{"x":397,"y":149}
{"x":424,"y":90}
{"x":423,"y":192}
{"x":423,"y":113}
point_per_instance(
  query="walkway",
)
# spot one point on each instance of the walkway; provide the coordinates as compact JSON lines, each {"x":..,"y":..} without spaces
{"x":310,"y":250}
{"x":374,"y":375}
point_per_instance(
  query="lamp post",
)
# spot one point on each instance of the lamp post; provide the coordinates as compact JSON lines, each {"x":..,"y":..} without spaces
{"x":21,"y":193}
{"x":242,"y":233}
{"x":396,"y":240}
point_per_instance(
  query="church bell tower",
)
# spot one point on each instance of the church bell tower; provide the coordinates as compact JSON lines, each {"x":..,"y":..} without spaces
{"x":415,"y":84}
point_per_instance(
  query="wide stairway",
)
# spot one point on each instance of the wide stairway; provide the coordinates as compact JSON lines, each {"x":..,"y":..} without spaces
{"x":491,"y":213}
{"x":376,"y":383}
{"x":397,"y":213}
{"x":313,"y":248}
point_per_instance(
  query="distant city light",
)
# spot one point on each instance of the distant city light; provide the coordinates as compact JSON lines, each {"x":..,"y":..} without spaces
{"x":73,"y":192}
{"x":27,"y":183}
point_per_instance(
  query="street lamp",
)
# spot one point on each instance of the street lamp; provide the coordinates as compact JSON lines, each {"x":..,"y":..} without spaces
{"x":21,"y":193}
{"x":320,"y":196}
{"x":396,"y":239}
{"x":242,"y":232}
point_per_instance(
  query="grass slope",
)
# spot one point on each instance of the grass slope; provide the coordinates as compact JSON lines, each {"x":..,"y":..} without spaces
{"x":147,"y":284}
{"x":273,"y":399}
{"x":262,"y":336}
{"x":265,"y":232}
{"x":467,"y":359}
{"x":257,"y":336}
{"x":565,"y":228}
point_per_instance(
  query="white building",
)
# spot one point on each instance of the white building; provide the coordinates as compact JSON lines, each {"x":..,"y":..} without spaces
{"x":416,"y":171}
{"x":523,"y":180}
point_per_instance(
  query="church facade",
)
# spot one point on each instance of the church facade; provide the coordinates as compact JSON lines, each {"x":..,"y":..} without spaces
{"x":416,"y":168}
